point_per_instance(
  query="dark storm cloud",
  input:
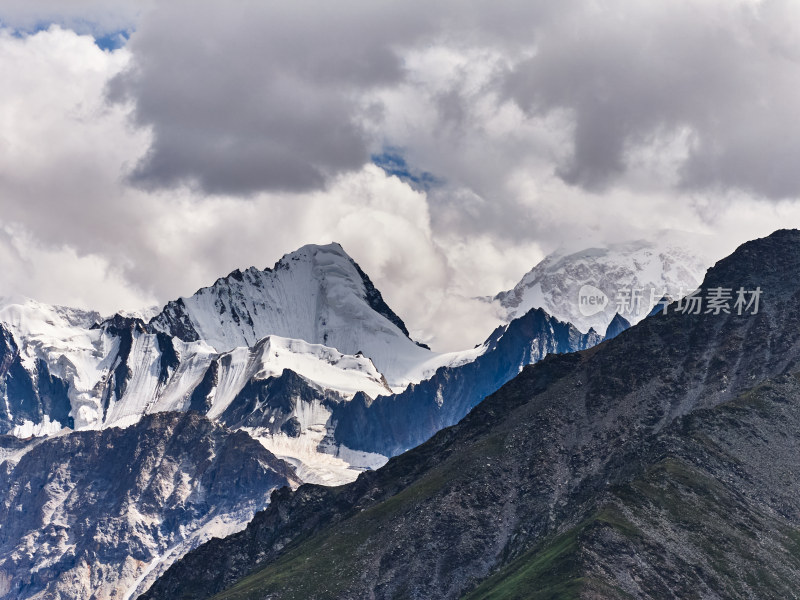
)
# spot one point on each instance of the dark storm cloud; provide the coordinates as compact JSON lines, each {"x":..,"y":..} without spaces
{"x":268,"y":96}
{"x":272,"y":96}
{"x":630,"y":73}
{"x":265,"y":97}
{"x":250,"y":97}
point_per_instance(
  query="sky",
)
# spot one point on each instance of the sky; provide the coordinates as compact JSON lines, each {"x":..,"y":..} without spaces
{"x":147,"y":148}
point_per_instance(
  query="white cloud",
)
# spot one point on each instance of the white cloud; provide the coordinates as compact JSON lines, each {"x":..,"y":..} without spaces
{"x":59,"y":275}
{"x":456,"y":88}
{"x":75,"y":233}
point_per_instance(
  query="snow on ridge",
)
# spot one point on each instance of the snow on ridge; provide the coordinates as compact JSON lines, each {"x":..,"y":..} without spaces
{"x":322,"y":366}
{"x":30,"y":317}
{"x":85,"y":355}
{"x":316,"y":294}
{"x":673,"y":263}
{"x":30,"y":429}
{"x":312,"y":309}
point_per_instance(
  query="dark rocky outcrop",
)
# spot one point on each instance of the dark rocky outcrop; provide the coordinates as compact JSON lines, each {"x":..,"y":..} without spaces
{"x":82,"y":514}
{"x":28,"y":395}
{"x":618,"y":325}
{"x":270,"y":403}
{"x":174,"y":319}
{"x":123,"y":328}
{"x":201,"y":399}
{"x":390,"y":425}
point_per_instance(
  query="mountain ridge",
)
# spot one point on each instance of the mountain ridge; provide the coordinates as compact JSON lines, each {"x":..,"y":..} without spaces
{"x":392,"y":424}
{"x":317,"y":293}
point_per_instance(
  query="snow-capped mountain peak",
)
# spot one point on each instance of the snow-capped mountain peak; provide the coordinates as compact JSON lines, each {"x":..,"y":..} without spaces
{"x":630,"y":277}
{"x":317,"y":294}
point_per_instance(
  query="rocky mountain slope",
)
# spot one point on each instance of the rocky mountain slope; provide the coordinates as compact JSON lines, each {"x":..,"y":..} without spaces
{"x":95,"y":514}
{"x":102,"y":511}
{"x":32,"y":401}
{"x":62,"y":369}
{"x":326,"y":435}
{"x":325,"y":319}
{"x":713,"y":515}
{"x":659,"y":463}
{"x":390,"y":425}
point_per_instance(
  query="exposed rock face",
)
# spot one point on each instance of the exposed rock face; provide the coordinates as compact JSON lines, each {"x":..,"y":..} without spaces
{"x":111,"y":372}
{"x":713,"y":515}
{"x":29,"y":395}
{"x":661,"y":463}
{"x":103,"y":513}
{"x":390,"y":425}
{"x":271,"y":403}
{"x":618,"y":325}
{"x":67,"y":368}
{"x":93,"y":514}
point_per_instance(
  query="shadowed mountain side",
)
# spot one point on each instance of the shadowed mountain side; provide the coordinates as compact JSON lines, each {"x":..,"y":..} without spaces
{"x":390,"y":425}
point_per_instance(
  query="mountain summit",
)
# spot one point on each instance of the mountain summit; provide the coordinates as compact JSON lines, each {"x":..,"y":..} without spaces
{"x":317,"y":294}
{"x":632,"y":276}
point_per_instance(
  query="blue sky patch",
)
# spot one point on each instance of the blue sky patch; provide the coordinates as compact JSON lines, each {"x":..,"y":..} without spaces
{"x":392,"y":161}
{"x":105,"y":40}
{"x":21,"y":33}
{"x":112,"y":41}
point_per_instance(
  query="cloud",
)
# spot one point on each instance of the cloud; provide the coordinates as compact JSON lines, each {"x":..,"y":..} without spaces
{"x":265,"y":97}
{"x":271,"y":97}
{"x":632,"y":74}
{"x":61,"y":146}
{"x":60,"y":275}
{"x":220,"y":137}
{"x":74,"y":233}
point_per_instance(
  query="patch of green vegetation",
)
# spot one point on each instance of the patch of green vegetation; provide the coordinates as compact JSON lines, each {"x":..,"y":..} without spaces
{"x":722,"y":529}
{"x":553,"y":571}
{"x":791,"y":543}
{"x":550,"y":573}
{"x":761,"y":397}
{"x":612,"y":516}
{"x":666,"y":485}
{"x":324,"y":565}
{"x":314,"y":568}
{"x":760,"y":579}
{"x":438,"y":478}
